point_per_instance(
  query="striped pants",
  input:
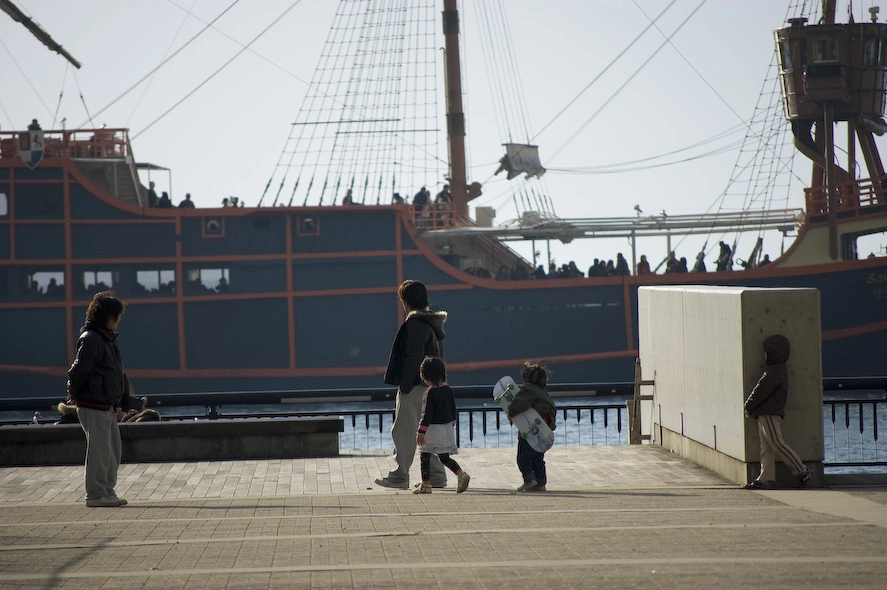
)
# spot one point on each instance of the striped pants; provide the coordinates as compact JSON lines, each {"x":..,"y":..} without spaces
{"x":772,"y":444}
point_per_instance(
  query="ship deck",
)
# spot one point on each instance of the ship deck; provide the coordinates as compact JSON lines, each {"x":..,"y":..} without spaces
{"x":620,"y":517}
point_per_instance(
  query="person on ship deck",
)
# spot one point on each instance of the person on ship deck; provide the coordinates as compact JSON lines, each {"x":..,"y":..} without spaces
{"x":187,"y":203}
{"x":153,"y":199}
{"x":644,"y":266}
{"x":622,"y":265}
{"x":700,"y":262}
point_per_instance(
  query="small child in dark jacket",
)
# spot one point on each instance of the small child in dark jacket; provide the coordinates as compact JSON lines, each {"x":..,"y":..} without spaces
{"x":532,"y":394}
{"x":767,"y":405}
{"x":436,"y":433}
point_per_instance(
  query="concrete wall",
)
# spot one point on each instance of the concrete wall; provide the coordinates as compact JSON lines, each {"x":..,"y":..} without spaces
{"x":703,"y":346}
{"x":178,"y":440}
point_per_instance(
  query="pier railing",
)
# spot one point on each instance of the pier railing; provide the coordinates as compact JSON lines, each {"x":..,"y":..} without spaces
{"x":851,"y":425}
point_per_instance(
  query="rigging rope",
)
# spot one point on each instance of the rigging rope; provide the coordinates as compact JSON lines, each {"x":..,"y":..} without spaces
{"x":27,"y":79}
{"x":602,"y":72}
{"x":58,"y":105}
{"x":222,"y":67}
{"x":165,"y":53}
{"x":626,"y":83}
{"x":370,"y":111}
{"x":164,"y":62}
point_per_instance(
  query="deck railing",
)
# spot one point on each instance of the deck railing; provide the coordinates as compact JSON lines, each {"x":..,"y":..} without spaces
{"x":81,"y":143}
{"x":853,"y":199}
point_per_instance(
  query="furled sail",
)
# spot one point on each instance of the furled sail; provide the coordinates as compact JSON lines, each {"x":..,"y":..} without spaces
{"x":521,"y":159}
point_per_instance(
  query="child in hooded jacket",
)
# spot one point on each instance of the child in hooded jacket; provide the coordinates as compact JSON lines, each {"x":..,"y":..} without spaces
{"x":766,"y":404}
{"x":532,"y":394}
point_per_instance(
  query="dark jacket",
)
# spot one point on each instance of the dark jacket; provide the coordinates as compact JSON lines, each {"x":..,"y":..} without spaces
{"x":771,"y":392}
{"x":95,"y":379}
{"x":419,"y":336}
{"x":438,"y":407}
{"x":531,"y":396}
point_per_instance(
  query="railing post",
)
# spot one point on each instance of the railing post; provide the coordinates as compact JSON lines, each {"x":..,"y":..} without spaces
{"x":635,"y":437}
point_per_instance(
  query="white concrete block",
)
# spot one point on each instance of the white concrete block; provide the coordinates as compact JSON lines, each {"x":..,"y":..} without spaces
{"x":703,"y":346}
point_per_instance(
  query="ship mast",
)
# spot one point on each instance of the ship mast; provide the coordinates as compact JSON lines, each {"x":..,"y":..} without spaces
{"x":455,"y":116}
{"x":18,"y":16}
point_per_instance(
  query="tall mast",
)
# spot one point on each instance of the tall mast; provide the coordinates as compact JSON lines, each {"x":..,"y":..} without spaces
{"x":455,"y":115}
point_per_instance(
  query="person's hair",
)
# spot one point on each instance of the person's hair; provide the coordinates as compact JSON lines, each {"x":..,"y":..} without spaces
{"x":433,"y":370}
{"x":534,"y":374}
{"x":414,"y":294}
{"x":104,"y":307}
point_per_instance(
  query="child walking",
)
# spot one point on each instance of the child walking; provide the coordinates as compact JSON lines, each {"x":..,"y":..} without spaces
{"x":532,"y":394}
{"x":767,"y":405}
{"x":436,"y":428}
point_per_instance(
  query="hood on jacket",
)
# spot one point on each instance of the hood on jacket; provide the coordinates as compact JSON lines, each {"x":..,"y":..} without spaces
{"x":777,"y":348}
{"x":105,"y":332}
{"x":435,"y":319}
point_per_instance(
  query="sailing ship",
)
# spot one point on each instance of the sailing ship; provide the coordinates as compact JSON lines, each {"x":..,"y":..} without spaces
{"x":299,"y":291}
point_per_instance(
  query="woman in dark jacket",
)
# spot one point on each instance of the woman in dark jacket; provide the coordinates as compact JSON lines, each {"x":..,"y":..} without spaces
{"x":95,"y":385}
{"x":419,"y":336}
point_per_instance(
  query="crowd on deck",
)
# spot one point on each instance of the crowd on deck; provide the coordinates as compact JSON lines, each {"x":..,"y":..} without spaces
{"x":619,"y":268}
{"x":430,"y":212}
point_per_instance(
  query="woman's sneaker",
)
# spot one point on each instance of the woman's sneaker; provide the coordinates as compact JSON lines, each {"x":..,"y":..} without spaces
{"x":462,"y":483}
{"x":106,"y":502}
{"x":529,"y":485}
{"x":758,"y":484}
{"x":422,"y":489}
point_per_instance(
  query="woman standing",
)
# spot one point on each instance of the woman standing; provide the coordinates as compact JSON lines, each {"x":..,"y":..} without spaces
{"x":419,"y":336}
{"x":95,"y":385}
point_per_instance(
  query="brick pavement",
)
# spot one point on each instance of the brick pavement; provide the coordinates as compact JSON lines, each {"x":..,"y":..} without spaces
{"x":615,"y":517}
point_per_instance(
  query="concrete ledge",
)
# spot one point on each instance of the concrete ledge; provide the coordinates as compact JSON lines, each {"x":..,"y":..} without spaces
{"x":729,"y":467}
{"x":203,"y":440}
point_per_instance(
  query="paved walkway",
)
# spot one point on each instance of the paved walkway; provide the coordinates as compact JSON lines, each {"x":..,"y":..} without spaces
{"x":614,"y":517}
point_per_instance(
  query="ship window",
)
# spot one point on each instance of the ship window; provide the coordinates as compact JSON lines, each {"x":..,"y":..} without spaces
{"x":155,"y":281}
{"x":96,"y":281}
{"x":4,"y":205}
{"x":308,"y":226}
{"x":49,"y":283}
{"x":871,"y":51}
{"x":208,"y":280}
{"x":785,"y":54}
{"x":4,"y":286}
{"x":825,"y":49}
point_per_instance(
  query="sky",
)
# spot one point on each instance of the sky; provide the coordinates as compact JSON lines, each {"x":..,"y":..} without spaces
{"x":226,"y":132}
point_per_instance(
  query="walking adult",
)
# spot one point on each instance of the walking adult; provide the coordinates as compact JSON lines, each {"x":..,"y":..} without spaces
{"x":96,"y":385}
{"x":419,"y":336}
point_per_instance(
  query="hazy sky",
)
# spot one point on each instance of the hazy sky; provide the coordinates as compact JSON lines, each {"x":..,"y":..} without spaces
{"x":226,"y":138}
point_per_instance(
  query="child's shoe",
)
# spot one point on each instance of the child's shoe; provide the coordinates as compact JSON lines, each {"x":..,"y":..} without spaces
{"x":804,"y":478}
{"x":462,"y":484}
{"x":527,"y":485}
{"x":758,"y":484}
{"x":422,"y":488}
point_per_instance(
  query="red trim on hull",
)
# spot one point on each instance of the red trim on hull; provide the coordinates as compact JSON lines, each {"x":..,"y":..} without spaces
{"x":506,"y":364}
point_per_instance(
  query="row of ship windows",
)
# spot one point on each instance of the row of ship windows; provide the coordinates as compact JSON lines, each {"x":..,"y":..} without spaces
{"x":51,"y":283}
{"x":826,"y":50}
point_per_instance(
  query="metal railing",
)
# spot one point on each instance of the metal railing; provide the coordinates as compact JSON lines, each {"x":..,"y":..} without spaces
{"x":850,"y":432}
{"x":851,"y":436}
